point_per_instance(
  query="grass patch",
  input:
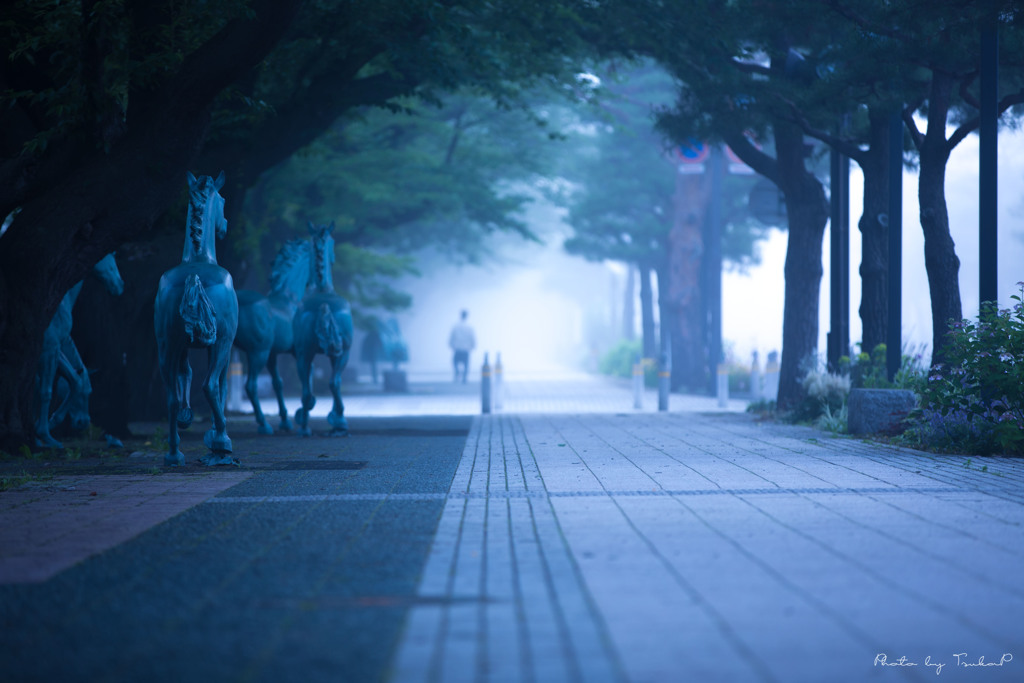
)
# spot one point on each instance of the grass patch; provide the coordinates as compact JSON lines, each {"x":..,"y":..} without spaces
{"x":13,"y":481}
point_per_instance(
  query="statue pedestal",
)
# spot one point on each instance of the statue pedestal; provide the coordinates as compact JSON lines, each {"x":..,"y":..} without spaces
{"x":395,"y":382}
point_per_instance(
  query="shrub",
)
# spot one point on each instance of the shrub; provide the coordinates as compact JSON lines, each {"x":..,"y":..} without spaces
{"x":974,"y":402}
{"x":825,"y":393}
{"x":870,"y":371}
{"x":618,"y":362}
{"x":835,"y":422}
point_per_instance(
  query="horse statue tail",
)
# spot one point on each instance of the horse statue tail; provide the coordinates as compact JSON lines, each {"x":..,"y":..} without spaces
{"x":327,"y":331}
{"x":197,"y":313}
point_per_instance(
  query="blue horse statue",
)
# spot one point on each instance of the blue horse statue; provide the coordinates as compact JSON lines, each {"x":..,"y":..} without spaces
{"x":323,"y":324}
{"x":60,"y":357}
{"x":197,"y":308}
{"x":265,"y":325}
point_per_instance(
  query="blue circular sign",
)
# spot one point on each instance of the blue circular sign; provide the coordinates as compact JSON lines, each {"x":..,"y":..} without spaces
{"x":693,"y":152}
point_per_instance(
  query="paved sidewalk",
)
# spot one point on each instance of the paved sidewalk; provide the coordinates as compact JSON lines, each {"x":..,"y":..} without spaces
{"x":686,"y":547}
{"x":542,"y":545}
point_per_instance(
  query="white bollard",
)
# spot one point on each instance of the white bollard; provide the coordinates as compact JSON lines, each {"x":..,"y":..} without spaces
{"x":498,"y":400}
{"x":771,"y":377}
{"x":485,"y":386}
{"x":723,"y":385}
{"x":756,"y":392}
{"x":638,"y":385}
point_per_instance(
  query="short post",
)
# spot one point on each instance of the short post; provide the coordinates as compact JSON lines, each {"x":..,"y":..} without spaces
{"x":499,"y":384}
{"x":485,"y":386}
{"x":755,"y":380}
{"x":723,"y":385}
{"x":235,"y":383}
{"x":771,"y":377}
{"x":638,"y":384}
{"x":664,"y":379}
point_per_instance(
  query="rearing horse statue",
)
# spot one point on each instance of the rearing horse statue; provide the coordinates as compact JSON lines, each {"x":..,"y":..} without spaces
{"x":265,"y":325}
{"x":196,"y":308}
{"x":60,"y":357}
{"x":323,"y":324}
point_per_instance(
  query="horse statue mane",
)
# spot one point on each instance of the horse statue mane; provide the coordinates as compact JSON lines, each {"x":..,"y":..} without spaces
{"x":323,"y":250}
{"x":291,"y":270}
{"x":204,"y":210}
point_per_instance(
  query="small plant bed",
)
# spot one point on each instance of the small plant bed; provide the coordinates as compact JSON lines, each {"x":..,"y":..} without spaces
{"x":973,"y":402}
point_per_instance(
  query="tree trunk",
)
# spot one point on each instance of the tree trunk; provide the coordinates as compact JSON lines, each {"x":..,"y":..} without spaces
{"x":874,"y":231}
{"x":685,"y":252}
{"x":650,"y":344}
{"x":940,"y":259}
{"x":808,"y":213}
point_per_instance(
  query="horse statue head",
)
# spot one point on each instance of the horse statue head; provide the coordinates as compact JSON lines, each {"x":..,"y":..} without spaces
{"x":292,"y":270}
{"x":323,"y":256}
{"x":205,"y":209}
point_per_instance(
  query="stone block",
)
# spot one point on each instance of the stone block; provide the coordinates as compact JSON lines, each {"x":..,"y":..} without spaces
{"x":879,"y":411}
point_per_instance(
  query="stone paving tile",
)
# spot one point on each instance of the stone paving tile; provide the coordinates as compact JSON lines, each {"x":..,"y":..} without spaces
{"x":717,"y":548}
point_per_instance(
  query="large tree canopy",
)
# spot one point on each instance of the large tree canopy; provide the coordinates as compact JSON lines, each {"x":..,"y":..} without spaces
{"x":107,"y":104}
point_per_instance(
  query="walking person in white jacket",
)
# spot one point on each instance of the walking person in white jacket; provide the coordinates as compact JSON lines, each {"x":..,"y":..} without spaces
{"x":462,"y":340}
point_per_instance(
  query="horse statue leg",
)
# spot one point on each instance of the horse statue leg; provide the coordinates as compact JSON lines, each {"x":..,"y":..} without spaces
{"x":304,"y":362}
{"x":67,"y":371}
{"x":215,"y":390}
{"x":46,"y":372}
{"x":182,"y":379}
{"x":336,"y":418}
{"x":171,"y":362}
{"x":275,"y":377}
{"x":256,"y":359}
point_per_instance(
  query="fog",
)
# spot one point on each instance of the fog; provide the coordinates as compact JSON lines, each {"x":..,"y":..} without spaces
{"x":537,"y":306}
{"x":547,"y":312}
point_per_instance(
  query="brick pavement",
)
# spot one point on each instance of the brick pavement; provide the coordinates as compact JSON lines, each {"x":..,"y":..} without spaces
{"x":50,"y":526}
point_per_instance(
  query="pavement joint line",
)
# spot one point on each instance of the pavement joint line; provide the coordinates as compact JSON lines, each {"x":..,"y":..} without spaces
{"x":499,"y":494}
